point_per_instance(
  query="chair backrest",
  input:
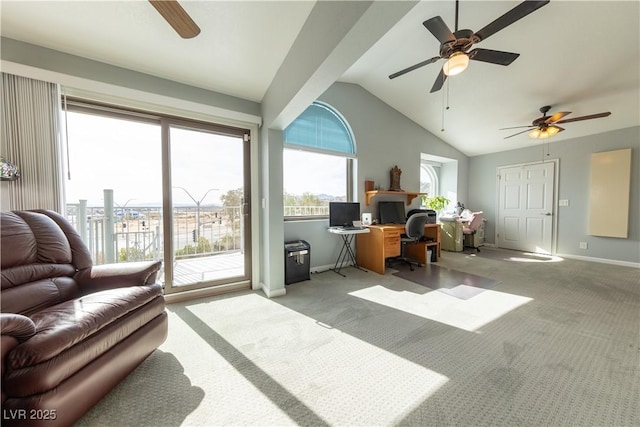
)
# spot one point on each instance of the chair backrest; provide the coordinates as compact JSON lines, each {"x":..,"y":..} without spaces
{"x":414,"y":228}
{"x":474,"y":224}
{"x":431,"y":218}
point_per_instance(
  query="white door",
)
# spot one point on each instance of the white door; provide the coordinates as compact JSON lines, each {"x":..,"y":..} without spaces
{"x":525,"y":210}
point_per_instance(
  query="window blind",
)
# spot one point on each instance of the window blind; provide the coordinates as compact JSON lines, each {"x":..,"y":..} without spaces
{"x":321,"y":128}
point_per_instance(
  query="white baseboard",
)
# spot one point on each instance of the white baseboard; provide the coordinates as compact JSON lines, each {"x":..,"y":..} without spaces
{"x":323,"y":268}
{"x":272,"y":293}
{"x":601,"y":260}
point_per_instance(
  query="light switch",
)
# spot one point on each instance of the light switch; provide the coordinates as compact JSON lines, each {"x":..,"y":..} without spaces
{"x":563,"y":202}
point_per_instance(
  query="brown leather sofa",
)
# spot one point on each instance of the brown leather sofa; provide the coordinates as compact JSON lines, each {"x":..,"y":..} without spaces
{"x":70,"y":331}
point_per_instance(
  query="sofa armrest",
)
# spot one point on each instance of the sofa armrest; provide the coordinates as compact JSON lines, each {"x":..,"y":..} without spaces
{"x":16,"y":325}
{"x":110,"y":276}
{"x":14,"y":329}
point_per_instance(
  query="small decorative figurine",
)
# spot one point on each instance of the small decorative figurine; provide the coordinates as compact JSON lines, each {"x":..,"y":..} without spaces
{"x":395,"y":179}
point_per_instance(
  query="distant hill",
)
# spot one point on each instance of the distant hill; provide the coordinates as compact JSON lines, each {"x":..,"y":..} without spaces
{"x":331,"y":198}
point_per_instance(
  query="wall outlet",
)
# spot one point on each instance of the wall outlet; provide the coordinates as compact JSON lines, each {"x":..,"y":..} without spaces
{"x":563,"y":202}
{"x":583,"y":245}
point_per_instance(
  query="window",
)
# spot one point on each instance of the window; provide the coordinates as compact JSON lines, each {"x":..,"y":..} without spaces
{"x":429,"y":179}
{"x":318,"y":162}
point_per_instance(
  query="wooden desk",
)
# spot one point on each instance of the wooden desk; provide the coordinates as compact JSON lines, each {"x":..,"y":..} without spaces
{"x":383,"y":242}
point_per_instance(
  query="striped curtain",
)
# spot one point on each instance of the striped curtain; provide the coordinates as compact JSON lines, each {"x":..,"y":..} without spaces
{"x":30,"y":113}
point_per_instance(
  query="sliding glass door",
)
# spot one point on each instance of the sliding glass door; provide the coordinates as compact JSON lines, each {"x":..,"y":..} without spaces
{"x":209,"y":193}
{"x":147,"y":187}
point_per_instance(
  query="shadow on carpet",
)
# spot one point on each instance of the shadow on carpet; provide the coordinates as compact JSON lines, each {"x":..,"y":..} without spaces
{"x":451,"y":282}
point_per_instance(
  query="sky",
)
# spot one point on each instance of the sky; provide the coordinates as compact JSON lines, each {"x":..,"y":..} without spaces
{"x":314,"y":173}
{"x":125,"y":156}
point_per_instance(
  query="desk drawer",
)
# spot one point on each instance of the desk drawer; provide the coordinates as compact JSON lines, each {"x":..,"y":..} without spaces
{"x":392,"y":246}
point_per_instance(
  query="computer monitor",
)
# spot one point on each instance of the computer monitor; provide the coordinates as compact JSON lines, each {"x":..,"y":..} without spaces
{"x":392,"y":213}
{"x":342,"y":214}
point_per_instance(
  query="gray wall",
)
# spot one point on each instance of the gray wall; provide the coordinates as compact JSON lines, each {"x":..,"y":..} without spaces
{"x":71,"y":65}
{"x":384,"y":138}
{"x":573,"y":184}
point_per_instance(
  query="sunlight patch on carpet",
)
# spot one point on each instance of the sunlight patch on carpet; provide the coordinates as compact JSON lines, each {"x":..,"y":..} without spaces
{"x":468,"y":314}
{"x":304,"y":370}
{"x":536,"y":257}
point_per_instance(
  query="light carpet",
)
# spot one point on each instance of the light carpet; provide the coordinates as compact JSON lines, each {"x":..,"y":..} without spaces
{"x":552,"y":344}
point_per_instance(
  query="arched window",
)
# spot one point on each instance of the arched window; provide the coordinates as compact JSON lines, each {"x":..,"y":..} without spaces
{"x":429,"y":179}
{"x":318,"y":164}
{"x":321,"y":128}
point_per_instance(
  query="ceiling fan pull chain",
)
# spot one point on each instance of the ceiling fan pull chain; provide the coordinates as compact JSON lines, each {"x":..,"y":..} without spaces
{"x":448,"y":82}
{"x":443,"y":103}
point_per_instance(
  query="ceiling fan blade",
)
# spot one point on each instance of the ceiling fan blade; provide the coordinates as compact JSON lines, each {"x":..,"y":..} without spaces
{"x":439,"y":29}
{"x":414,"y":67}
{"x":493,"y":56}
{"x":437,"y":85}
{"x":517,"y":127}
{"x":557,"y":116}
{"x":592,"y":116}
{"x":518,"y":12}
{"x":177,"y":17}
{"x":526,"y":130}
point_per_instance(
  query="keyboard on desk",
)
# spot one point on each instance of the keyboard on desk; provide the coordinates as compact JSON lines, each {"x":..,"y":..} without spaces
{"x":351,"y":227}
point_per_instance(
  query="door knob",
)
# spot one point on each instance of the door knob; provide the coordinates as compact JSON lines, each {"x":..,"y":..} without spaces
{"x":546,"y":214}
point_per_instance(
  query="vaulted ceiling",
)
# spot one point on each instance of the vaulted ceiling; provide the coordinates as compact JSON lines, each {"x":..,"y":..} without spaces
{"x":576,"y":56}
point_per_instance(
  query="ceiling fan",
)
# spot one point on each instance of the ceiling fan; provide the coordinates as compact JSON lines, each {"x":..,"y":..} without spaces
{"x":454,"y":47}
{"x":177,"y":17}
{"x":545,"y":126}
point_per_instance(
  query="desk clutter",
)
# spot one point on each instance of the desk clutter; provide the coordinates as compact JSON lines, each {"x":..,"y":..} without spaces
{"x":412,"y":238}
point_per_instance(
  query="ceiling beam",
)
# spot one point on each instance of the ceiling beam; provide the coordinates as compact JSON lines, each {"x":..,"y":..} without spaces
{"x":335,"y":35}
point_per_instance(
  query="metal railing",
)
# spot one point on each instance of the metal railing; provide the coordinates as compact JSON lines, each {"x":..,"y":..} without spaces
{"x":137,"y":232}
{"x":306,"y":210}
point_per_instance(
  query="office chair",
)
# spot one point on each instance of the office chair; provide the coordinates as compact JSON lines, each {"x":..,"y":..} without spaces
{"x":413,"y":232}
{"x":469,"y":229}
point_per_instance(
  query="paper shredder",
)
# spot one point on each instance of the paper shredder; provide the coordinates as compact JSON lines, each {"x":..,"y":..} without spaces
{"x":296,"y":261}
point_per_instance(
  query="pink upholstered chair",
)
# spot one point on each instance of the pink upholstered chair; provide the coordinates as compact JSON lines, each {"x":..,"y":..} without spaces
{"x":470,"y":228}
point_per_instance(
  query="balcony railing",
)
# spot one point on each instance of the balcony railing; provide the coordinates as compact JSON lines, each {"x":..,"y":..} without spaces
{"x":306,"y":210}
{"x":137,"y":232}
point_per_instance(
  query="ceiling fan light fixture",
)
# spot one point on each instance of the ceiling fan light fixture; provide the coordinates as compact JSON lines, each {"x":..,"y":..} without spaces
{"x":456,"y":64}
{"x":535,"y":134}
{"x":552,"y":130}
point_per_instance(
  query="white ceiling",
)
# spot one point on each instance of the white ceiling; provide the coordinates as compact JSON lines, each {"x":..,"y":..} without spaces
{"x":582,"y":57}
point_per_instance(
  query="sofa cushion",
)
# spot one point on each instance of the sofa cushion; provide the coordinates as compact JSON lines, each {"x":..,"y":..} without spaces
{"x":31,"y":238}
{"x":63,"y":325}
{"x":48,"y":375}
{"x":37,"y":262}
{"x":32,"y":297}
